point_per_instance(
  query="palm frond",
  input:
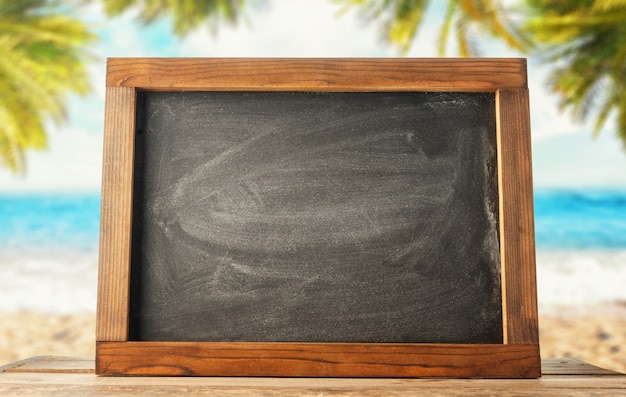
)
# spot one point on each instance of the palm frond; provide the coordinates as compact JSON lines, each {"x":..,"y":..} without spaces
{"x":604,"y":111}
{"x":186,"y":14}
{"x":448,"y":21}
{"x":586,"y":44}
{"x":43,"y":60}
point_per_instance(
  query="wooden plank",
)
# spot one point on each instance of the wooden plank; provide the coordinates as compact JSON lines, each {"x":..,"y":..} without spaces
{"x":69,"y":364}
{"x":54,"y":364}
{"x":516,"y":217}
{"x":350,"y":74}
{"x":570,"y":366}
{"x":79,"y":386}
{"x":60,"y":382}
{"x":116,"y":215}
{"x":316,"y":359}
{"x":17,"y":364}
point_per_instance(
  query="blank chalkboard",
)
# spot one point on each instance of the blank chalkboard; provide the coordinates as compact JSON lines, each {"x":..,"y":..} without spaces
{"x":317,"y":217}
{"x":296,"y":216}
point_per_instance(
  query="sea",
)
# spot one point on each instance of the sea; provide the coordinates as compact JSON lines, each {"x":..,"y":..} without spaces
{"x":49,"y":249}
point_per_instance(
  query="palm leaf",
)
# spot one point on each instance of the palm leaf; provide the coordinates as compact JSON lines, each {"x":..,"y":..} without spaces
{"x":445,"y":28}
{"x":186,"y":14}
{"x":43,"y":59}
{"x":586,"y":44}
{"x":400,"y":21}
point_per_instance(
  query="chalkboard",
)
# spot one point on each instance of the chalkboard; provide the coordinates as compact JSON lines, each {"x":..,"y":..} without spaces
{"x":295,"y":216}
{"x":317,"y":217}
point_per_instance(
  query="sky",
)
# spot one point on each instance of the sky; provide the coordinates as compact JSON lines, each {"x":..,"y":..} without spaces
{"x":564,"y":154}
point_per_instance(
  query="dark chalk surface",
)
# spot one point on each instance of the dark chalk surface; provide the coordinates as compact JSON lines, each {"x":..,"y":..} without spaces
{"x":337,"y":217}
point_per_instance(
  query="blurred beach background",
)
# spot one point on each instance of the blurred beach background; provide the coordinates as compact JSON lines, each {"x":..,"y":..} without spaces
{"x":49,"y":217}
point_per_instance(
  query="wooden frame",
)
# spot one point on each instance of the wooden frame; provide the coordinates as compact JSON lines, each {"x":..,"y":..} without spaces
{"x":516,"y":357}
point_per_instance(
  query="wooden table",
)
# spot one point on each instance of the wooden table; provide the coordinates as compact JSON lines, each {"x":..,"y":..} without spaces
{"x":68,"y":376}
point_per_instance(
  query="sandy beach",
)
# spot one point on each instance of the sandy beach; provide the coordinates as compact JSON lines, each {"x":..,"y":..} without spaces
{"x":595,"y":334}
{"x":49,"y":276}
{"x":28,"y":334}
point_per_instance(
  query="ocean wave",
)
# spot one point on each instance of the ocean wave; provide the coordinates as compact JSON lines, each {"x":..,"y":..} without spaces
{"x":67,"y":283}
{"x":58,"y":282}
{"x":49,"y":222}
{"x":49,"y":260}
{"x":580,"y":219}
{"x":580,"y":277}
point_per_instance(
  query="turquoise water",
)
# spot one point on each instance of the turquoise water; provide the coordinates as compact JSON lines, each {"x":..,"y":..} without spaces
{"x":49,"y":243}
{"x":564,"y":220}
{"x":580,"y":219}
{"x":44,"y":222}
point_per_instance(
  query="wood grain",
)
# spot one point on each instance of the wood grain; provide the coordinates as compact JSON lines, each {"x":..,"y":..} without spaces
{"x":53,"y":364}
{"x":116,"y":215}
{"x":516,"y":217}
{"x":71,"y":364}
{"x":561,"y":377}
{"x":317,"y":359}
{"x":317,"y":74}
{"x":517,"y":357}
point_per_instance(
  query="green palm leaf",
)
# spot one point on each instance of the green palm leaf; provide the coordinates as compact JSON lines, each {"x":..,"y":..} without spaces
{"x":43,"y":58}
{"x":186,"y":14}
{"x":586,"y":43}
{"x":401,"y":19}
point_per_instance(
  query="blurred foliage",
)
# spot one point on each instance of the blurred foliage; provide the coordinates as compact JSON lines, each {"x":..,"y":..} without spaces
{"x":468,"y":19}
{"x":45,"y":56}
{"x":44,"y":51}
{"x":42,"y":59}
{"x":585,"y":43}
{"x":186,"y":14}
